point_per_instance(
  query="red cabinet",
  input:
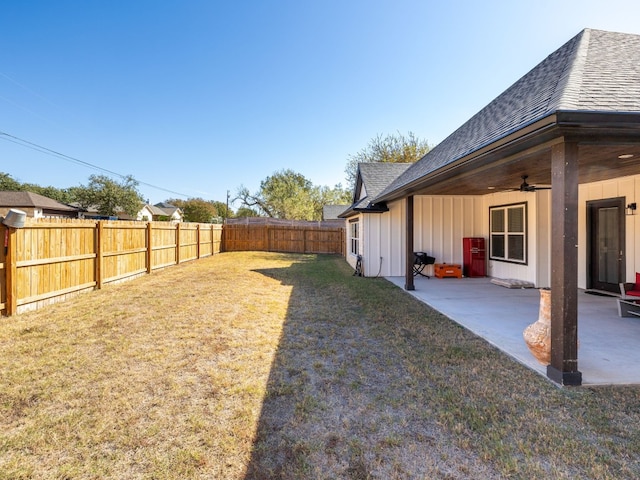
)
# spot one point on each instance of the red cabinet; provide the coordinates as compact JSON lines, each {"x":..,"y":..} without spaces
{"x":474,"y":257}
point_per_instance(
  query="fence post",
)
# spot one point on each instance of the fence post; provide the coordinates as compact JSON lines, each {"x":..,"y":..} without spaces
{"x":149,"y":247}
{"x":268,"y":233}
{"x":304,"y":240}
{"x":177,"y":244}
{"x":11,"y":260}
{"x":99,"y":253}
{"x":198,"y":241}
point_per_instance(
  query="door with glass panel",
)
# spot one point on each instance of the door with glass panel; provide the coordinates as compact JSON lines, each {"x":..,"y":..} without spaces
{"x":605,"y":256}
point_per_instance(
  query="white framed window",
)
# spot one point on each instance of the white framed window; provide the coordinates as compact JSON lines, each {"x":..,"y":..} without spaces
{"x":354,"y":237}
{"x":508,"y":227}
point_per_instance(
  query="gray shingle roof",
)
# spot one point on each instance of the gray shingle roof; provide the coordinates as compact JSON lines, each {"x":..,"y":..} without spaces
{"x":32,"y":200}
{"x":375,"y":177}
{"x":331,"y":212}
{"x":595,"y":71}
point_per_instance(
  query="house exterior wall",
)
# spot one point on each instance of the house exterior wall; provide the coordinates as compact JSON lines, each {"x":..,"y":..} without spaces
{"x":441,"y":222}
{"x":537,"y":268}
{"x":629,"y":189}
{"x":385,"y":242}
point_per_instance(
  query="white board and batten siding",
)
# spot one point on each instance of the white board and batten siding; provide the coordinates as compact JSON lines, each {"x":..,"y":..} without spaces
{"x":629,"y":189}
{"x":441,"y":222}
{"x":537,"y":267}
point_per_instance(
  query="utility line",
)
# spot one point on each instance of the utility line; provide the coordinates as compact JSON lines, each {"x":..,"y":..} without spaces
{"x":53,"y":153}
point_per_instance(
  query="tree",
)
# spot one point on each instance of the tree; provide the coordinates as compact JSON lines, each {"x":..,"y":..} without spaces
{"x":109,"y":196}
{"x":243,"y":212}
{"x":195,"y":209}
{"x":391,"y":148}
{"x":329,"y":196}
{"x":285,"y":194}
{"x":224,"y":211}
{"x":8,"y":183}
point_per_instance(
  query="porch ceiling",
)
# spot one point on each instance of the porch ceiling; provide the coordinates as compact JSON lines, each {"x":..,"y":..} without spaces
{"x":597,"y":162}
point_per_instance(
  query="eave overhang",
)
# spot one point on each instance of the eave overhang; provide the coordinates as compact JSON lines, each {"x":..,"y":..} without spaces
{"x":527,"y":149}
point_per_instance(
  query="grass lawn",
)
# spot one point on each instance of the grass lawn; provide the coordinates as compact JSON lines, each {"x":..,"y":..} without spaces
{"x":259,"y":365}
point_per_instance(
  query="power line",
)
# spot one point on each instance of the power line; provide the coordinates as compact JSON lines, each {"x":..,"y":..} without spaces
{"x":53,"y":153}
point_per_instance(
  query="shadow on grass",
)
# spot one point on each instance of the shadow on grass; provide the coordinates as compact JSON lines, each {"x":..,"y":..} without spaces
{"x":368,"y":382}
{"x":343,"y":400}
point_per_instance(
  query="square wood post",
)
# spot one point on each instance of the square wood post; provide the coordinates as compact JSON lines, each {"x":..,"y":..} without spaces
{"x":11,"y":266}
{"x":149,"y":247}
{"x":564,"y":265}
{"x":177,"y":244}
{"x":408,"y":284}
{"x":99,"y":253}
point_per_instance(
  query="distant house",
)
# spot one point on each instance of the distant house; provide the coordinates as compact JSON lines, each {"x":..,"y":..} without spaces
{"x":35,"y":205}
{"x":166,"y":211}
{"x":331,"y":212}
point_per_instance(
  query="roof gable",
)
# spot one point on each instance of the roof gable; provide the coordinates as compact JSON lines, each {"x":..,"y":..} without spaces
{"x":372,"y":178}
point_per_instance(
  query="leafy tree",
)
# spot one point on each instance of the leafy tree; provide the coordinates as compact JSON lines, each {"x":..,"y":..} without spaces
{"x":329,"y":196}
{"x":243,"y":212}
{"x":9,"y":184}
{"x":285,"y":194}
{"x":200,"y":210}
{"x":391,"y":148}
{"x":196,"y":209}
{"x":110,"y":197}
{"x":223,"y":210}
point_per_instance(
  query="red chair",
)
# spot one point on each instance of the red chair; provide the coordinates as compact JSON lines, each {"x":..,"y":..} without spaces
{"x":631,"y":289}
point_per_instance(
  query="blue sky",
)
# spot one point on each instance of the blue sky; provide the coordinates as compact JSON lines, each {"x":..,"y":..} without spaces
{"x":200,"y":97}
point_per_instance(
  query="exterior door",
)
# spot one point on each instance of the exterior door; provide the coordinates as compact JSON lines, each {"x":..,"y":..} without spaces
{"x":605,"y":220}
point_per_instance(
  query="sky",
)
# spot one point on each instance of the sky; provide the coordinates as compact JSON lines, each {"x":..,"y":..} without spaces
{"x":197,"y":98}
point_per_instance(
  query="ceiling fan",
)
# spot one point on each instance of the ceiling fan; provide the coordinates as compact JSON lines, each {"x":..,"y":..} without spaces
{"x":525,"y":187}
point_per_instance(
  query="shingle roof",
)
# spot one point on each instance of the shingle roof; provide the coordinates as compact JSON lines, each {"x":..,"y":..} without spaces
{"x":331,"y":212}
{"x":374,"y":178}
{"x":32,"y":200}
{"x":595,"y":71}
{"x":377,"y":176}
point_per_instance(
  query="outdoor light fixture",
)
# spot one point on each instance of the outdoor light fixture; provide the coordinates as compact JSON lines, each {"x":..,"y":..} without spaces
{"x":631,"y":208}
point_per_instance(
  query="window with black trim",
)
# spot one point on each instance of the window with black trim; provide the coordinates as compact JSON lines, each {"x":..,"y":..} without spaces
{"x":508,"y":226}
{"x":354,"y":236}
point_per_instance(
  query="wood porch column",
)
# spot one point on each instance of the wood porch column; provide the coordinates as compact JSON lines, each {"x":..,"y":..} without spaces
{"x":564,"y":265}
{"x":408,"y":283}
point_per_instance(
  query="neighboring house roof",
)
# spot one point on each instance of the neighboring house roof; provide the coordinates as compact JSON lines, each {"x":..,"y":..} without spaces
{"x":168,"y":209}
{"x":331,"y":212}
{"x":371,"y":180}
{"x":596,"y":71}
{"x":157,"y":210}
{"x":32,"y":200}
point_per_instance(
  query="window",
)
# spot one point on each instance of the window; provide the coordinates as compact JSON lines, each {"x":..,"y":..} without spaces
{"x":354,"y":236}
{"x":508,"y":225}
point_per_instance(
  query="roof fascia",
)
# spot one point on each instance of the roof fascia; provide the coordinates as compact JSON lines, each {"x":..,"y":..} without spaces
{"x":540,"y":131}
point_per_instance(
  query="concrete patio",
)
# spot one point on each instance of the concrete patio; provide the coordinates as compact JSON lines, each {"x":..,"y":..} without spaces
{"x":609,"y":346}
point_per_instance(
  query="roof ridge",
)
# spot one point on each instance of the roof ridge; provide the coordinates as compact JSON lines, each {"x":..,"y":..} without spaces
{"x":568,"y":87}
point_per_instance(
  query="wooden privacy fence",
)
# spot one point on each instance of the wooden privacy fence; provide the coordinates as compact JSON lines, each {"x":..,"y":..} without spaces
{"x":283,"y":238}
{"x":47,"y":260}
{"x":50,"y":259}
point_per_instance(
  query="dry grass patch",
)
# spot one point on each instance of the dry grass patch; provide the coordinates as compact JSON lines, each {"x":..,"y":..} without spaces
{"x":256,"y":366}
{"x":161,"y":377}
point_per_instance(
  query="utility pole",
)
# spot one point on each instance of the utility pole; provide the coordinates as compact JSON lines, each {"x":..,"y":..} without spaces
{"x":227,"y":212}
